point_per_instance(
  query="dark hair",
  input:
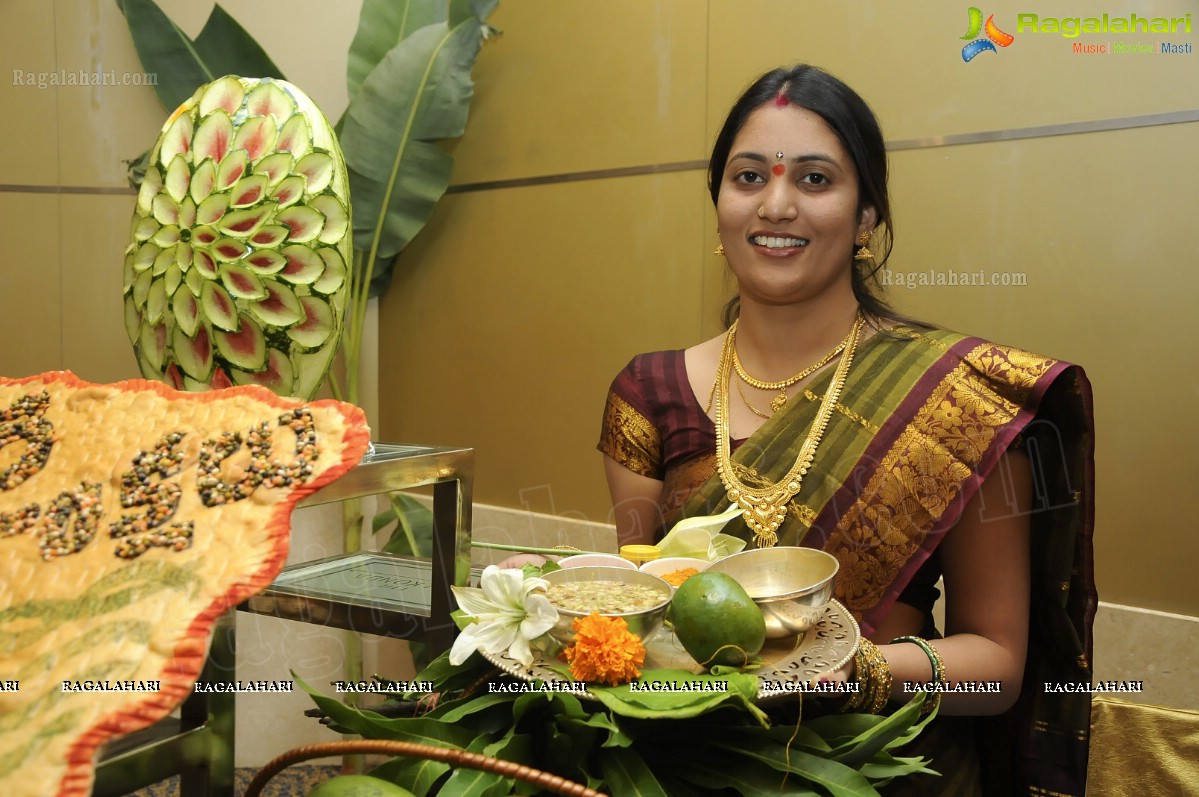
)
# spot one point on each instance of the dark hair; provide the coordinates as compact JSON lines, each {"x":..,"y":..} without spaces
{"x":855,"y":125}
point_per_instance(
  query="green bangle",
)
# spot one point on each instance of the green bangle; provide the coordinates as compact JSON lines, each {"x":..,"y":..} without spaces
{"x":938,"y":667}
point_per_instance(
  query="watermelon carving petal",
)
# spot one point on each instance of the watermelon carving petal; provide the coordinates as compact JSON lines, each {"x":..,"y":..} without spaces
{"x":236,"y":268}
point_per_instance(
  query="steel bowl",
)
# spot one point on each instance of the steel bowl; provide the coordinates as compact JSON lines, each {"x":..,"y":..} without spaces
{"x":644,"y":622}
{"x":792,"y":586}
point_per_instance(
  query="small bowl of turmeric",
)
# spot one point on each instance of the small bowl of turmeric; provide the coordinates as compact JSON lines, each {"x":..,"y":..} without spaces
{"x":674,"y":570}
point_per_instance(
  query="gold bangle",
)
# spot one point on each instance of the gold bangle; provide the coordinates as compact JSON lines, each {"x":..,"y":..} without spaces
{"x":873,"y":678}
{"x":861,"y":674}
{"x":880,"y":678}
{"x":938,"y":668}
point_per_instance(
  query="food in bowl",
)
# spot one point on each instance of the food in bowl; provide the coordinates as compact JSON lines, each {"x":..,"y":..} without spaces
{"x":676,"y":577}
{"x":605,"y":597}
{"x":592,"y":587}
{"x":674,"y":570}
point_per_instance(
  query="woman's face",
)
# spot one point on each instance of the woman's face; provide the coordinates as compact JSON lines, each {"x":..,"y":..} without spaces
{"x":789,"y":225}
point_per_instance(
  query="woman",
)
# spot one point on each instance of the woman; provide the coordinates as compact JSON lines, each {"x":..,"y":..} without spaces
{"x":910,"y":453}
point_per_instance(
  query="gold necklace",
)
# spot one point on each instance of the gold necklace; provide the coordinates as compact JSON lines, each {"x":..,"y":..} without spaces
{"x":780,"y":401}
{"x":766,"y":507}
{"x":745,"y":400}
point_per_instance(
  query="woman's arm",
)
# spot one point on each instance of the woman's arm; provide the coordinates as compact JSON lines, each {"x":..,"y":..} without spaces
{"x":985,"y":560}
{"x":635,"y":503}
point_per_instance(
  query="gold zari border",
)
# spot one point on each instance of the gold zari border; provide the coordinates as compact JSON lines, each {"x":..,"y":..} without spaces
{"x":924,"y":471}
{"x":631,"y":439}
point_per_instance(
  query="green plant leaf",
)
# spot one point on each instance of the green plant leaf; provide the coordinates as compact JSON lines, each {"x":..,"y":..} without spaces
{"x":840,"y":780}
{"x":419,"y":92}
{"x":627,"y":774}
{"x":713,"y":770}
{"x":165,"y":51}
{"x":371,"y":725}
{"x":226,"y":48}
{"x":467,"y":782}
{"x":413,"y":535}
{"x":417,"y":775}
{"x":382,"y":25}
{"x":898,"y":728}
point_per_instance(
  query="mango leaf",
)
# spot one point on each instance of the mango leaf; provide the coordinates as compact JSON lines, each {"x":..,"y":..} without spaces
{"x":899,"y":728}
{"x":417,"y":775}
{"x":418,"y":93}
{"x":467,"y":782}
{"x":383,"y":24}
{"x":740,"y":689}
{"x":371,"y":725}
{"x":713,"y":771}
{"x":627,"y":774}
{"x":884,"y":767}
{"x":840,"y":780}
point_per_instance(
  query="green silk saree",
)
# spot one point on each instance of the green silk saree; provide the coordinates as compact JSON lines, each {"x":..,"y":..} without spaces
{"x":925,"y":417}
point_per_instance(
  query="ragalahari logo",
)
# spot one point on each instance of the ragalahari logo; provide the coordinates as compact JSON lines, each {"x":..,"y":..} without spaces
{"x":981,"y":45}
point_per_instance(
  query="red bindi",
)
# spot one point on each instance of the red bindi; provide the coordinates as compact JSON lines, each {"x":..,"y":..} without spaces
{"x":778,"y":169}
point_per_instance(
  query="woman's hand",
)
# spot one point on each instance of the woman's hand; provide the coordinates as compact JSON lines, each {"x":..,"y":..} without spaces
{"x":522,"y":559}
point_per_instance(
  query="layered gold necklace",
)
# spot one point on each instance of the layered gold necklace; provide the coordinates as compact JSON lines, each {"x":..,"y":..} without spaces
{"x":780,"y":401}
{"x":766,"y":507}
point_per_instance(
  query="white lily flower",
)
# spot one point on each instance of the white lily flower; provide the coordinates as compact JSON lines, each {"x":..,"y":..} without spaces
{"x":509,"y":612}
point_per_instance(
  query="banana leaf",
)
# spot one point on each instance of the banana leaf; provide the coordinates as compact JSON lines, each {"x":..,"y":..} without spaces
{"x":181,"y":65}
{"x":418,"y":93}
{"x":382,"y":25}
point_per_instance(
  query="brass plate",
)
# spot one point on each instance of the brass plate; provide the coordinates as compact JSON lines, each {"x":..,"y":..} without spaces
{"x":790,"y":663}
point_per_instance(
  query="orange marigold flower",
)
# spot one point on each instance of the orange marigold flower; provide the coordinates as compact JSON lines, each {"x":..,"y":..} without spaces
{"x":604,"y":650}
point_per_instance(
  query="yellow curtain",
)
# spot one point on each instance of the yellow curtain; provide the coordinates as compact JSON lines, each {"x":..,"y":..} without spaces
{"x":1139,"y":749}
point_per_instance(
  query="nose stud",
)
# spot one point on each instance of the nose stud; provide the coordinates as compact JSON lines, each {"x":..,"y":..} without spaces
{"x":761,"y":212}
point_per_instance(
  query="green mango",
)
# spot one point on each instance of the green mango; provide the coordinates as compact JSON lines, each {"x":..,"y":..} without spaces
{"x":358,"y":786}
{"x":716,"y":621}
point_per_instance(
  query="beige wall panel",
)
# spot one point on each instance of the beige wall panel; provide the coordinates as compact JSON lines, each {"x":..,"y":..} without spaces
{"x":95,"y":233}
{"x":574,"y":86}
{"x":101,"y":126}
{"x":905,"y":59}
{"x":1091,"y":224}
{"x":29,"y":137}
{"x":514,"y":310}
{"x":29,"y":285}
{"x":311,"y":49}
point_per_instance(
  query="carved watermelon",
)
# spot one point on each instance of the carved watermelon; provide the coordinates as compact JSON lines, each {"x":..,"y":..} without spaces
{"x":237,"y":268}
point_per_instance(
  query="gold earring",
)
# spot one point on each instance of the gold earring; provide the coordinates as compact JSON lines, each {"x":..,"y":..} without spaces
{"x":719,"y":250}
{"x":863,"y":252}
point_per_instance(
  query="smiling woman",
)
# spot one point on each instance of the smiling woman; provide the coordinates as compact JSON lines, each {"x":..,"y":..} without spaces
{"x":905,"y":451}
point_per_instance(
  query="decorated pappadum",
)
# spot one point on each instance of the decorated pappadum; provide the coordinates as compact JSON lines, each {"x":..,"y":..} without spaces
{"x":131,"y":517}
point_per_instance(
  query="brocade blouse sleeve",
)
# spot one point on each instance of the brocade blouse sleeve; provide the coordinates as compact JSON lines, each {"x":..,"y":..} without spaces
{"x":628,"y":435}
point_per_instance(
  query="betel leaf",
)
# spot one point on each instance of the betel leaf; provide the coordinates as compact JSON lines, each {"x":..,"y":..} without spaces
{"x":418,"y":93}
